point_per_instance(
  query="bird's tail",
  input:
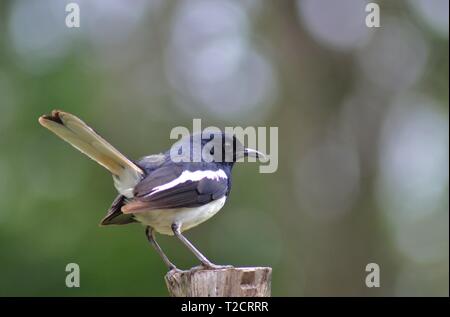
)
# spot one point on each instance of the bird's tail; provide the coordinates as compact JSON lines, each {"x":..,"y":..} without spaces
{"x":71,"y":129}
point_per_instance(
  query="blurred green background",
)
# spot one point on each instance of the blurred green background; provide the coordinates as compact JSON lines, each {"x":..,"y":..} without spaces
{"x":363,"y":140}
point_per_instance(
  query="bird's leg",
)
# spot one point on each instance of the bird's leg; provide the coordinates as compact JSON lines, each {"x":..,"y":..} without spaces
{"x":205,"y":262}
{"x":150,"y":233}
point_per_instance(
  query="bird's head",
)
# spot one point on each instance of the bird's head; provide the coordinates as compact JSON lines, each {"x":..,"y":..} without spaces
{"x":214,"y":146}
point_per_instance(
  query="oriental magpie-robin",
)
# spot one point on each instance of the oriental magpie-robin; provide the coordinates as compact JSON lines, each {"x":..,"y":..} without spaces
{"x":166,"y":195}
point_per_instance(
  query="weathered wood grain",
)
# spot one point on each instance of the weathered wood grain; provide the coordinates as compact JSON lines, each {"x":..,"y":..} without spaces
{"x":227,"y":282}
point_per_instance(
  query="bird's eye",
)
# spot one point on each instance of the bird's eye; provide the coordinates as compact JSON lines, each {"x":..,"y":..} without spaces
{"x":212,"y":151}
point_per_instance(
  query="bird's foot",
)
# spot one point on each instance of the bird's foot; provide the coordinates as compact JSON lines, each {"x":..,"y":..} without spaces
{"x":174,"y":269}
{"x":212,"y":266}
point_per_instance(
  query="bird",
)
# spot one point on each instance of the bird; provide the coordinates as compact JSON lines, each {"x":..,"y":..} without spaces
{"x":170,"y":192}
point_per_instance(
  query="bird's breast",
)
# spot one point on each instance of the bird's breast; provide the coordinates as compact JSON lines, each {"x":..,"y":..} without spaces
{"x":162,"y":219}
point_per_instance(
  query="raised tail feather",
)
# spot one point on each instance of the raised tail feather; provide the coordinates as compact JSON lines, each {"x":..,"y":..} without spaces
{"x":71,"y":129}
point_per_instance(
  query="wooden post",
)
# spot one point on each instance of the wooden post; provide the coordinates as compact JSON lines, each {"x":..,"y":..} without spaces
{"x":227,"y":282}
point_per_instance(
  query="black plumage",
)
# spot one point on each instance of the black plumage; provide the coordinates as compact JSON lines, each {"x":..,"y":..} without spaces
{"x":161,"y":169}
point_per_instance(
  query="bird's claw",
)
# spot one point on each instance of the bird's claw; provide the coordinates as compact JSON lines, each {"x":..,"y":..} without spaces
{"x":211,"y":266}
{"x":174,"y":269}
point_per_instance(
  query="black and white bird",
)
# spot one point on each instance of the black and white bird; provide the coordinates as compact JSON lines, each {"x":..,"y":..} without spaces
{"x":167,"y":196}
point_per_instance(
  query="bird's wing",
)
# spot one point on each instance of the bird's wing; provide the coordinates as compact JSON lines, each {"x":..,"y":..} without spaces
{"x":115,"y":216}
{"x":150,"y":163}
{"x":171,"y":187}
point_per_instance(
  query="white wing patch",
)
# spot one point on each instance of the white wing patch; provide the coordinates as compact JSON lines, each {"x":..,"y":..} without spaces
{"x":189,"y":176}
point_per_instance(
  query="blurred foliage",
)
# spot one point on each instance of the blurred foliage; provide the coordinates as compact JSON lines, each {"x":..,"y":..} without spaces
{"x":363,"y":140}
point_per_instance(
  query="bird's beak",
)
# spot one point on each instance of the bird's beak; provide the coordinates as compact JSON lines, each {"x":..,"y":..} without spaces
{"x":254,"y":153}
